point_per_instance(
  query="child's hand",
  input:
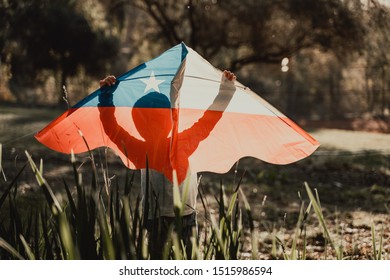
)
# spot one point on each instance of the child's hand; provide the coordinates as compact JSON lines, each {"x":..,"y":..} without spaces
{"x":229,"y":75}
{"x":108,"y":81}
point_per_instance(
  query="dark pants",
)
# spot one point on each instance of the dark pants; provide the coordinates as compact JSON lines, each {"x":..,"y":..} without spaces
{"x":158,"y":230}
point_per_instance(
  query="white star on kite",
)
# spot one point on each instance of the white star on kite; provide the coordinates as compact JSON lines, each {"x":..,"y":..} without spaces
{"x":152,"y":83}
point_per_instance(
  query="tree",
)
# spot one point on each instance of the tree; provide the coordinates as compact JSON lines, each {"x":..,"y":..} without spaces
{"x":251,"y":31}
{"x":378,"y":58}
{"x":54,"y":35}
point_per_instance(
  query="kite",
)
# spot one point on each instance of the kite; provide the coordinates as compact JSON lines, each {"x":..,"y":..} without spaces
{"x":180,"y":114}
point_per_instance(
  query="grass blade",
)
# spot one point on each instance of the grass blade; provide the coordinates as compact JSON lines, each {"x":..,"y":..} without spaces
{"x":1,"y":165}
{"x":27,"y":248}
{"x":52,"y":200}
{"x":69,"y":248}
{"x":6,"y":246}
{"x":317,"y":209}
{"x":13,"y":183}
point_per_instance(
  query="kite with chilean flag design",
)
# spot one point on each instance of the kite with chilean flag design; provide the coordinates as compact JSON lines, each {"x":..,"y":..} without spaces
{"x":180,"y":114}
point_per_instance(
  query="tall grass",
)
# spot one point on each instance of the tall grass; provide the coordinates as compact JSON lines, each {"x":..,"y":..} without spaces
{"x":98,"y":220}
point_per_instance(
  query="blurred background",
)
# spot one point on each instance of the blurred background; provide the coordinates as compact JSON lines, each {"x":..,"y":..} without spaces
{"x":324,"y":60}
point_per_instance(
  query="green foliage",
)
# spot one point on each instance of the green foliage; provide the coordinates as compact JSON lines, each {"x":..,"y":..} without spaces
{"x":377,"y":254}
{"x":91,"y":223}
{"x":338,"y":64}
{"x":277,"y":28}
{"x":56,"y":36}
{"x":315,"y":201}
{"x":104,"y":221}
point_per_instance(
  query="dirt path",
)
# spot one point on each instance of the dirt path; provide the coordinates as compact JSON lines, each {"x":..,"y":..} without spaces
{"x":352,"y":141}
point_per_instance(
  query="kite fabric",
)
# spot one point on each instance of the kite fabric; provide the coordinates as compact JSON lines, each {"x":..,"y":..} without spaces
{"x":180,"y":114}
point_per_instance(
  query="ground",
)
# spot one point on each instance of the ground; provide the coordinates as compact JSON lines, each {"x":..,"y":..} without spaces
{"x":350,"y":172}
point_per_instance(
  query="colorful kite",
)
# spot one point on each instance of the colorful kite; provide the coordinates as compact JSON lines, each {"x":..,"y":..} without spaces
{"x":180,"y":113}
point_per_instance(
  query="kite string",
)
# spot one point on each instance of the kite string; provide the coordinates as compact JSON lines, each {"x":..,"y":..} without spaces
{"x":19,"y":137}
{"x":65,"y":97}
